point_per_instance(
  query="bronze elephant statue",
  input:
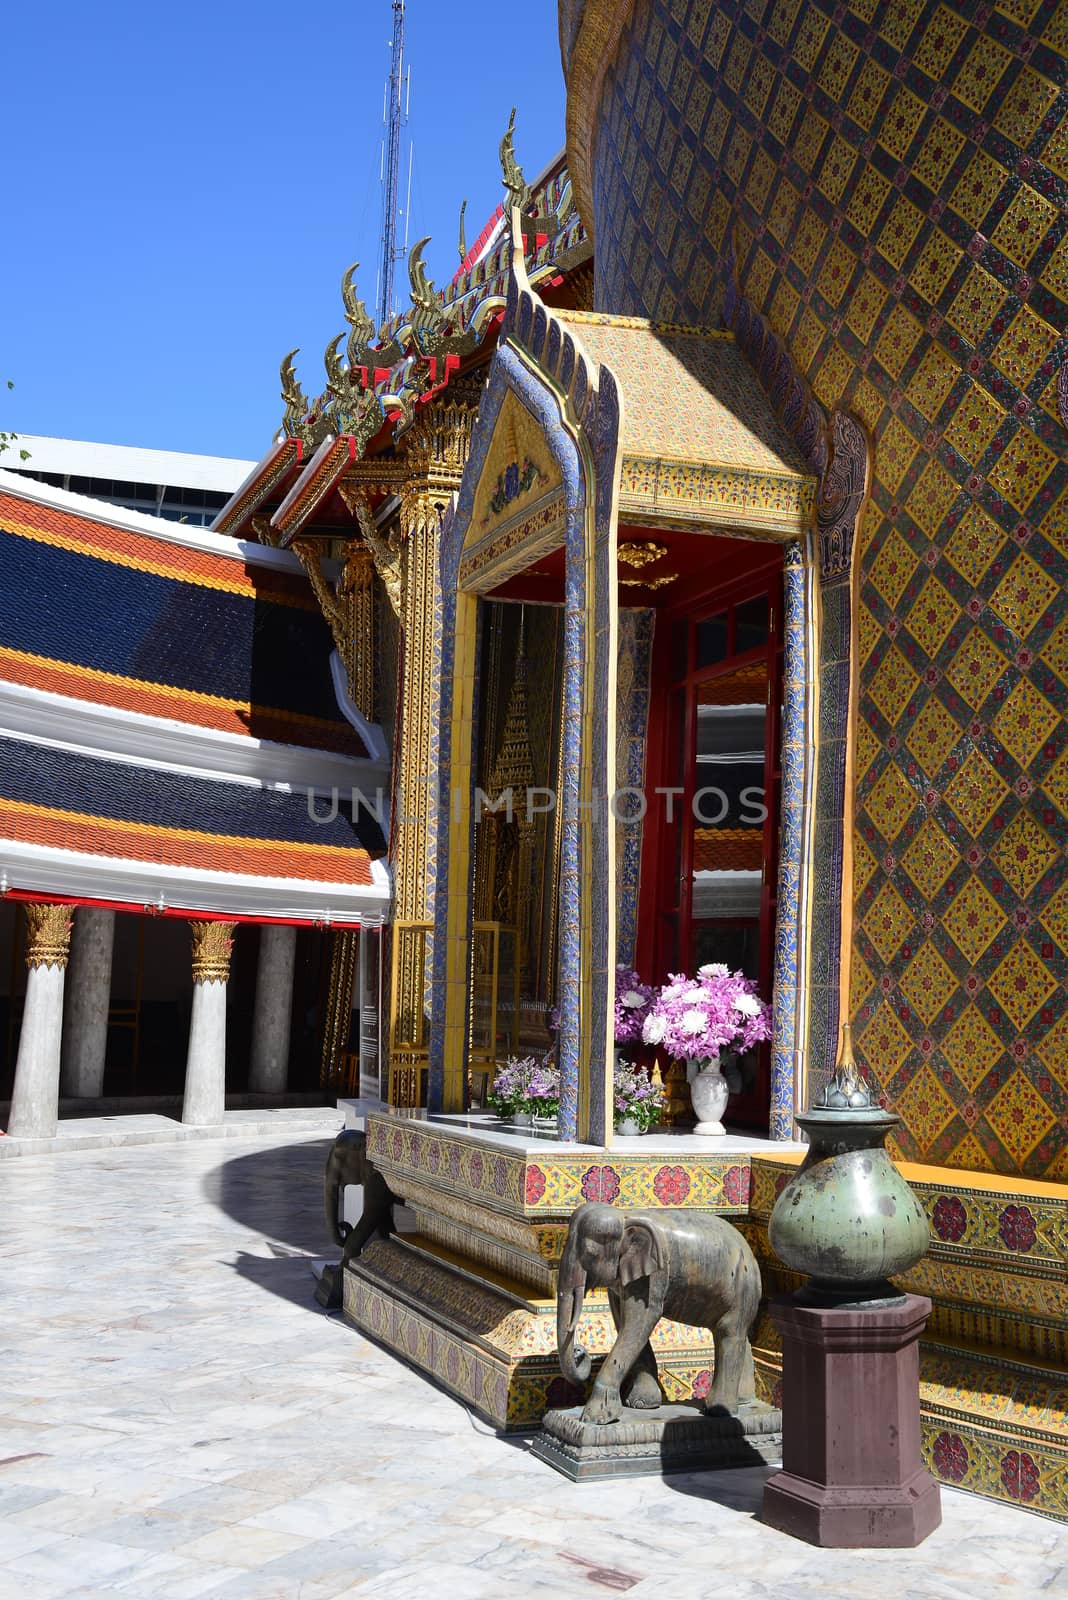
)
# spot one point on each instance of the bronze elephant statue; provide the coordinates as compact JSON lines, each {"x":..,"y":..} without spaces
{"x":347,"y":1164}
{"x":690,"y":1266}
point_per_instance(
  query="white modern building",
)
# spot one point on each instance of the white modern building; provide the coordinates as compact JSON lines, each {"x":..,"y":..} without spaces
{"x":165,"y":483}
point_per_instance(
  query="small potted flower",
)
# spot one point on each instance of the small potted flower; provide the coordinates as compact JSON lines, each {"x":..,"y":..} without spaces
{"x":637,"y":1102}
{"x":543,"y":1093}
{"x":696,"y":1020}
{"x":526,"y":1090}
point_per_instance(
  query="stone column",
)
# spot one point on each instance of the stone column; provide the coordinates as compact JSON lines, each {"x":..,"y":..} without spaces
{"x":205,"y":1068}
{"x":269,"y":1063}
{"x":88,"y":1000}
{"x":35,"y":1098}
{"x":367,"y":1002}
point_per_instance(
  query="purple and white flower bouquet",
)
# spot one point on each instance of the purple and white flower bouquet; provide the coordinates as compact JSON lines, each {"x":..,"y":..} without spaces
{"x":526,"y":1086}
{"x":634,"y":1000}
{"x":698,"y":1018}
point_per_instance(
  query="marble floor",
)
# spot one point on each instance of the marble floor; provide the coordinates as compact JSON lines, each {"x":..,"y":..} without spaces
{"x":178,"y":1419}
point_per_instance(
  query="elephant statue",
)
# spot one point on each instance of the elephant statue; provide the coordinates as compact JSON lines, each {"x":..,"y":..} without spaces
{"x":690,"y":1266}
{"x":347,"y":1163}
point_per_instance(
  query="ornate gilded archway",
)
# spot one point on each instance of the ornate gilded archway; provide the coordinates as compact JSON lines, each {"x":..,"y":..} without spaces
{"x":512,"y":508}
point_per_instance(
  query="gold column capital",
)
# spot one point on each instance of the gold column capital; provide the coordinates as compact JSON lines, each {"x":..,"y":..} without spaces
{"x":48,"y":934}
{"x":386,"y":553}
{"x":213,"y":943}
{"x":358,"y":571}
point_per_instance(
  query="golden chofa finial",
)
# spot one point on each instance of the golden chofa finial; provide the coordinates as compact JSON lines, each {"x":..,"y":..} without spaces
{"x":296,"y":402}
{"x":337,"y":376}
{"x":516,"y":187}
{"x":461,"y":244}
{"x":426,"y":305}
{"x":363,"y":329}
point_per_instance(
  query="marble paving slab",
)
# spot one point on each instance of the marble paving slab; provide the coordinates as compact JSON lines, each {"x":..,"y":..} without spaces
{"x":179,"y":1419}
{"x":149,"y":1127}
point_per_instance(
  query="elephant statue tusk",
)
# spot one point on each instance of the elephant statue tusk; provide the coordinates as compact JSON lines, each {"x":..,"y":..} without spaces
{"x":576,"y":1311}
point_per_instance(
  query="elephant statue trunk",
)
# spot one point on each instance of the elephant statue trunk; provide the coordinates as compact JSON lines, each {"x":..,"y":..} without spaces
{"x":346,"y":1164}
{"x":571,"y":1289}
{"x":333,"y":1181}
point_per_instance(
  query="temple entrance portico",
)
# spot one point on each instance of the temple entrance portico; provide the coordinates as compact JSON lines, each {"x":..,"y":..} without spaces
{"x":681,"y":547}
{"x":622,"y":603}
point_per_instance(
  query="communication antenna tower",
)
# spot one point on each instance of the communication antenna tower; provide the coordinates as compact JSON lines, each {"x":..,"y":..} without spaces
{"x":395,"y":103}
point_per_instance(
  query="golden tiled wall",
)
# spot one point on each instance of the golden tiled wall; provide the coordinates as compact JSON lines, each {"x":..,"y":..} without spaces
{"x":896,"y":176}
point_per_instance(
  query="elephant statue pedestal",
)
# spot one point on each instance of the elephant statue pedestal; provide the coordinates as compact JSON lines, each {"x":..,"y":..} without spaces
{"x":853,"y":1476}
{"x":672,"y":1438}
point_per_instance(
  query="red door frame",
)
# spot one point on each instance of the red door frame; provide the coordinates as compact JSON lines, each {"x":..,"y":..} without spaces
{"x":665,"y":890}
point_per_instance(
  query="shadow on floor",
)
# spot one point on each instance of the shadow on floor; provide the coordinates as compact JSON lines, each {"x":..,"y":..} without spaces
{"x":277,"y":1192}
{"x":737,"y":1488}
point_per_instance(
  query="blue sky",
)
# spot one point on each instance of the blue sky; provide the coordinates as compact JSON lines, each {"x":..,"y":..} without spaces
{"x":187,"y":183}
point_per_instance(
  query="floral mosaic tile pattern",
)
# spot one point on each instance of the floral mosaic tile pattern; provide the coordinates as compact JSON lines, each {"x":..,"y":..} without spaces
{"x":895,"y":181}
{"x":527,"y":1183}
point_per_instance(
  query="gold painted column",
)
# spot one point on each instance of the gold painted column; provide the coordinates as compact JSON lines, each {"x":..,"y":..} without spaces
{"x":204,"y":1101}
{"x":35,"y":1097}
{"x":338,"y":1023}
{"x":438,"y":445}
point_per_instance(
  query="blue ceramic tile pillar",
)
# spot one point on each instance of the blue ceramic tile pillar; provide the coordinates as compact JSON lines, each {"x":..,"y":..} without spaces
{"x":789,"y":945}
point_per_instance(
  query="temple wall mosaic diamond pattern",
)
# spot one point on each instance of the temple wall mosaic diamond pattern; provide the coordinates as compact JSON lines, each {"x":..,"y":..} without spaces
{"x":894,"y":176}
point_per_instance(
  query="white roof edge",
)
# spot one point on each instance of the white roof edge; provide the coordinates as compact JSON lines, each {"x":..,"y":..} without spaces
{"x":84,"y":458}
{"x":145,"y":885}
{"x":82,"y":505}
{"x":113,"y":733}
{"x":374,"y":739}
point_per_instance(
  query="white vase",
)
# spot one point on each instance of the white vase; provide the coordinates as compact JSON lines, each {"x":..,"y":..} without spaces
{"x":708,"y":1094}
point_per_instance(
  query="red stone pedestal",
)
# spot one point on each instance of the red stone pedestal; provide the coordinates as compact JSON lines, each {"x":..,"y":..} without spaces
{"x":852,"y":1475}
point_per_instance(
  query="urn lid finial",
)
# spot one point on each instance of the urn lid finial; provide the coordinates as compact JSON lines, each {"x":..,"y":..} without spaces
{"x":847,"y":1090}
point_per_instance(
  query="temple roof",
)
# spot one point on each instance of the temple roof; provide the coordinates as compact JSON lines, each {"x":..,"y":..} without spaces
{"x":92,"y":827}
{"x":700,"y":440}
{"x":129,"y":611}
{"x":689,"y":394}
{"x":167,"y":698}
{"x":387,"y":373}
